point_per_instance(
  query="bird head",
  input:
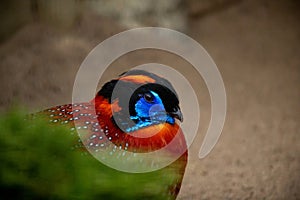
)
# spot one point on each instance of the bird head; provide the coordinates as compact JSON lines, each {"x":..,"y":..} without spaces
{"x":140,"y":99}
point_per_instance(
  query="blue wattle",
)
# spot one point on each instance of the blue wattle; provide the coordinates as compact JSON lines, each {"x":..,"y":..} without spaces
{"x":142,"y":123}
{"x":148,"y":114}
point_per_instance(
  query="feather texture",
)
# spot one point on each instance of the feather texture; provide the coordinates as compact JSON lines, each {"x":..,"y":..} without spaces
{"x":102,"y":131}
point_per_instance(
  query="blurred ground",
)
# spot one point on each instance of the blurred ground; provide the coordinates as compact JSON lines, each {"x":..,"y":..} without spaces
{"x":256,"y":47}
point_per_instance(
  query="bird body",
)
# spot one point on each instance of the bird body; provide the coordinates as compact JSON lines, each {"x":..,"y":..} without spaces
{"x":140,"y":118}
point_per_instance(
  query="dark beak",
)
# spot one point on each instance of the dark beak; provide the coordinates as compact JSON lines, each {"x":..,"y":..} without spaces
{"x":177,"y":114}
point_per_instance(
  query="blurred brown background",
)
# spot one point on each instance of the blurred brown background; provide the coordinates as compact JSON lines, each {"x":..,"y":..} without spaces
{"x":254,"y":43}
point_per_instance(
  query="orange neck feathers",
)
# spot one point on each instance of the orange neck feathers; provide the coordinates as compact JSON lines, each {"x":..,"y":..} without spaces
{"x":145,"y":139}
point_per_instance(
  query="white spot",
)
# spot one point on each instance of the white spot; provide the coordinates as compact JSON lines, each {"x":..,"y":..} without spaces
{"x":93,"y":136}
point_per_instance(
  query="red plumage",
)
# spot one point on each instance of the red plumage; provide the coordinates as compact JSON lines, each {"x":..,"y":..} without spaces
{"x":102,"y":133}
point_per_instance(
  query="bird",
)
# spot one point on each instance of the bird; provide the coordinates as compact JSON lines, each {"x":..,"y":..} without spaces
{"x":136,"y":112}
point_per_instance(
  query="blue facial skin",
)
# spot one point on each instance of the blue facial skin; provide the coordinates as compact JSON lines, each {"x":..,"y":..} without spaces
{"x":149,"y":111}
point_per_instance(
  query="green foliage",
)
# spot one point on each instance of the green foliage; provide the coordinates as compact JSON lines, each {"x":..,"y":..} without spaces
{"x":38,"y":161}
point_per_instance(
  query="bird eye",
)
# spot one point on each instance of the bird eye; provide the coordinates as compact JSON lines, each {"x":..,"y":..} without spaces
{"x":149,"y":97}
